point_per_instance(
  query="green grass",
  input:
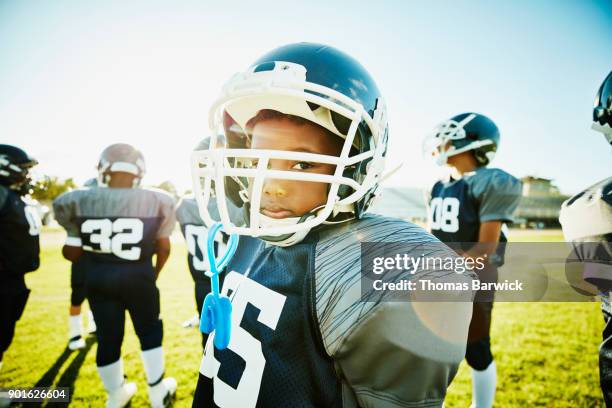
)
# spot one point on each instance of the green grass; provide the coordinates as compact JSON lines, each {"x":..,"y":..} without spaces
{"x":546,"y":353}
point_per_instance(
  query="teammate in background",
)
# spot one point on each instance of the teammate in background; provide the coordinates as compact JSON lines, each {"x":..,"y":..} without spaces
{"x":306,"y":135}
{"x":19,"y":231}
{"x":586,"y":219}
{"x":76,"y":337}
{"x":115,"y":229}
{"x":470,"y":207}
{"x":195,"y":232}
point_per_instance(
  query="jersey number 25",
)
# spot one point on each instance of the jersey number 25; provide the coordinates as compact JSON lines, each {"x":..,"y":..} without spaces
{"x":270,"y":304}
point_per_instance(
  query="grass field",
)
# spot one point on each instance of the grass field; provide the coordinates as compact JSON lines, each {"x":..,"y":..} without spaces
{"x":546,"y":353}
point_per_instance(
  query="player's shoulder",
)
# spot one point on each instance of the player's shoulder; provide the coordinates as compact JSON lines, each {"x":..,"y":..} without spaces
{"x":71,"y":196}
{"x":338,"y":296}
{"x":187,"y":211}
{"x":159,"y":194}
{"x":150,"y":197}
{"x":588,"y":214}
{"x":186,"y":203}
{"x":600,"y":191}
{"x":491,"y":174}
{"x":438,"y":184}
{"x":374,"y":228}
{"x":492,"y":178}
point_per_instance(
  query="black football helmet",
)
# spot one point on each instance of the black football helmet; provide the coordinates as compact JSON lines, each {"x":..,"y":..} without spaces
{"x":121,"y":157}
{"x":465,"y":132}
{"x":602,"y":109}
{"x":15,"y":165}
{"x":314,"y":82}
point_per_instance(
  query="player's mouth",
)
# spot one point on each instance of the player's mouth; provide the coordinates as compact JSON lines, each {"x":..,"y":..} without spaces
{"x":276,"y":212}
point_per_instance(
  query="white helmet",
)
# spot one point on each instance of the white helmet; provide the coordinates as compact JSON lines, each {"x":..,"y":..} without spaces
{"x":121,"y":157}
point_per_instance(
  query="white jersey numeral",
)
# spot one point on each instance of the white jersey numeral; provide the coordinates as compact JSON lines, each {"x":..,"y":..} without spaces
{"x":127,"y":231}
{"x":196,"y":237}
{"x":444,"y":214}
{"x":33,"y":220}
{"x":270,"y":304}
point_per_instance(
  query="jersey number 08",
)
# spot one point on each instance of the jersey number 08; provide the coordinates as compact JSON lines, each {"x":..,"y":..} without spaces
{"x":444,"y":214}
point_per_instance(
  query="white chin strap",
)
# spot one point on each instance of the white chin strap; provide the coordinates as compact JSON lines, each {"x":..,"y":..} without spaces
{"x":442,"y":159}
{"x":290,"y":238}
{"x":283,"y":240}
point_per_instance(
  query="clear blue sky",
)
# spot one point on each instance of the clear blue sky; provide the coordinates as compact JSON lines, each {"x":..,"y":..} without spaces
{"x":76,"y":76}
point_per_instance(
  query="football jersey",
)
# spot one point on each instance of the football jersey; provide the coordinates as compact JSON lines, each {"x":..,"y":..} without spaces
{"x":19,"y":235}
{"x":196,"y":236}
{"x":302,"y":335}
{"x":458,"y":207}
{"x":116,"y":224}
{"x":587,"y":218}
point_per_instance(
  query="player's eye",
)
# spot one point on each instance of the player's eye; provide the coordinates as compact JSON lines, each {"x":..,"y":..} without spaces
{"x":302,"y":166}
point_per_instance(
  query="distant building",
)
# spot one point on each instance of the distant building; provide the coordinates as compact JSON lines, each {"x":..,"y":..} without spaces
{"x":539,"y":187}
{"x":540,"y":204}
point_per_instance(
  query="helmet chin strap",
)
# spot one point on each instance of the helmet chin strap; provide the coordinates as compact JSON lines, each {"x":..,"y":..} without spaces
{"x":103,"y":179}
{"x":441,"y":159}
{"x":291,"y":238}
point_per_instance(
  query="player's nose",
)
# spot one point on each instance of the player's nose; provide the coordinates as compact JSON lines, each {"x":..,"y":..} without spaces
{"x":274,"y":188}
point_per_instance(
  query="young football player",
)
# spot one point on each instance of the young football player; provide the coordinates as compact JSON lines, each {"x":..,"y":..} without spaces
{"x":115,"y":229}
{"x":196,"y":236}
{"x":306,"y":135}
{"x":469,"y":208}
{"x":76,"y":337}
{"x":586,"y":219}
{"x":195,"y":233}
{"x":19,"y":246}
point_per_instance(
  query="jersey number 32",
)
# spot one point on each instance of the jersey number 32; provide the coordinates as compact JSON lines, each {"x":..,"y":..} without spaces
{"x":113,"y":236}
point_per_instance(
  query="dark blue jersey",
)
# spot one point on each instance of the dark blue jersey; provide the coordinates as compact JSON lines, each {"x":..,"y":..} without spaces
{"x":19,"y":236}
{"x":458,"y":207}
{"x":116,"y":225}
{"x":196,"y":237}
{"x":302,"y":336}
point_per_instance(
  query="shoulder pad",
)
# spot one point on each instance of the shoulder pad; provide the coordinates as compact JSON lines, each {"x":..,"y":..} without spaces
{"x":588,"y":214}
{"x":339,"y":305}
